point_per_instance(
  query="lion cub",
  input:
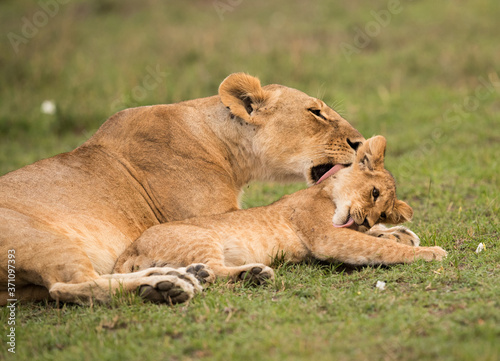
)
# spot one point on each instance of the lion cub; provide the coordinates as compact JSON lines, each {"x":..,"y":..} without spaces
{"x":321,"y":222}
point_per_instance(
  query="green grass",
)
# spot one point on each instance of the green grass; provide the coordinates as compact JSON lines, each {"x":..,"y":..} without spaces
{"x":415,"y":83}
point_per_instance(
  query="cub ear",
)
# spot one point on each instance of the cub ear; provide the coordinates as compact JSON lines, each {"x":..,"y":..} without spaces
{"x":243,"y":95}
{"x":371,"y":153}
{"x":402,"y":213}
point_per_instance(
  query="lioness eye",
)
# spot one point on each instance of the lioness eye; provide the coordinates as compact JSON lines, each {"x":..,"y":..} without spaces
{"x":375,"y":193}
{"x":383,"y":216}
{"x":317,"y":113}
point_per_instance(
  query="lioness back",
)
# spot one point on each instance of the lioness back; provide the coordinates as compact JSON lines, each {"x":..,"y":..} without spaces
{"x":70,"y":216}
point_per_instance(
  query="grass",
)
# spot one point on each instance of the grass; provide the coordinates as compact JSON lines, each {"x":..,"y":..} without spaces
{"x":427,"y":81}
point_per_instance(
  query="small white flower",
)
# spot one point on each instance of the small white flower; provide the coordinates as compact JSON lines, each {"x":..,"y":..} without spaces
{"x":380,"y":285}
{"x":480,"y":247}
{"x":48,"y":107}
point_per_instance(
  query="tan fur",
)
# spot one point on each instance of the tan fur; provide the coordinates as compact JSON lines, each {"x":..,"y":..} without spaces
{"x":69,"y":217}
{"x":244,"y":243}
{"x":354,"y":191}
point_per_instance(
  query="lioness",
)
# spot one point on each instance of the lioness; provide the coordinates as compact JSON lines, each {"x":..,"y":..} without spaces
{"x":242,"y":244}
{"x":65,"y":220}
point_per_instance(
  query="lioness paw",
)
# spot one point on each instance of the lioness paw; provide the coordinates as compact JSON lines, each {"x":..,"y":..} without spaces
{"x":180,"y":273}
{"x":257,"y":275}
{"x":171,"y":291}
{"x":399,"y":234}
{"x":432,"y":253}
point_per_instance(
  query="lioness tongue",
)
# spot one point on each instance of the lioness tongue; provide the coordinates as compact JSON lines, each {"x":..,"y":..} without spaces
{"x":332,"y":171}
{"x":347,"y":224}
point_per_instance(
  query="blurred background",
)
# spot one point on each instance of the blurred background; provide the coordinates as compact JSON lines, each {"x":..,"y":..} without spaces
{"x":425,"y":74}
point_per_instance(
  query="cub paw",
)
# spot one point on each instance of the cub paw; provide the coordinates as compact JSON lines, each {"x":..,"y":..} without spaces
{"x":431,"y":253}
{"x":257,"y":275}
{"x":202,"y":273}
{"x":399,"y":234}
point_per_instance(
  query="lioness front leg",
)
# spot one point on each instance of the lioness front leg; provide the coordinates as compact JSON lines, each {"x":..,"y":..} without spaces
{"x":348,"y":246}
{"x":156,"y":287}
{"x":157,"y":284}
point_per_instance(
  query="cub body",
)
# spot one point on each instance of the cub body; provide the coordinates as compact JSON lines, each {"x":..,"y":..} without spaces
{"x":322,"y":222}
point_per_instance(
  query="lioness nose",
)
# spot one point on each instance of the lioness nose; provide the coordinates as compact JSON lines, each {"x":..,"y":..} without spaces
{"x":353,"y":144}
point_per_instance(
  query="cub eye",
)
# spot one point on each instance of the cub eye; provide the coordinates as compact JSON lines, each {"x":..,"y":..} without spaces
{"x":317,"y":113}
{"x":375,"y":193}
{"x":383,"y":216}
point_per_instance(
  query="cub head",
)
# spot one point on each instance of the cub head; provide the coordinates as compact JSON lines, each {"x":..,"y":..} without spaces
{"x":293,"y":137}
{"x":365,"y":193}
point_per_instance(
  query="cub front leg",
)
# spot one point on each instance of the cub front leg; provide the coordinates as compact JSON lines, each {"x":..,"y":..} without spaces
{"x":348,"y":246}
{"x":399,"y":234}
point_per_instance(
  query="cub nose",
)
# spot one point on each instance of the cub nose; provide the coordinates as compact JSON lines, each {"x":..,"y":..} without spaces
{"x":354,"y":144}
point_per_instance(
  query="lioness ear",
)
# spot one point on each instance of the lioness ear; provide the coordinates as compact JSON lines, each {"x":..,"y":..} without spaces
{"x":371,"y":153}
{"x":402,"y":213}
{"x":243,"y":95}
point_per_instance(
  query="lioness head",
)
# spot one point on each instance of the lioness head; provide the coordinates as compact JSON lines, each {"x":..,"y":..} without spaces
{"x":365,"y":193}
{"x":293,"y":136}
